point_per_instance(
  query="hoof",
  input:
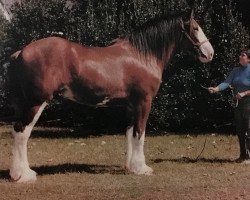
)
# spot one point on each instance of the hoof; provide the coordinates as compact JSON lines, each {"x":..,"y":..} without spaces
{"x":15,"y":174}
{"x":27,"y":175}
{"x":144,"y":170}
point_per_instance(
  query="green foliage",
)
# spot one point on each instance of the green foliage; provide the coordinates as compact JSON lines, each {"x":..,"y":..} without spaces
{"x":33,"y":20}
{"x":181,"y":103}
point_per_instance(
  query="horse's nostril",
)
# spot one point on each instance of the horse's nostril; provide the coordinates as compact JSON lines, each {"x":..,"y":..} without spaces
{"x":211,"y":56}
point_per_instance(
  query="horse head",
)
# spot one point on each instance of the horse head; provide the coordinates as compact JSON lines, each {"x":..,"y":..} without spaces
{"x":196,"y":36}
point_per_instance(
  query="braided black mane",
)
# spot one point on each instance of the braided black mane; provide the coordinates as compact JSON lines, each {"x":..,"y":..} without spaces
{"x":155,"y":36}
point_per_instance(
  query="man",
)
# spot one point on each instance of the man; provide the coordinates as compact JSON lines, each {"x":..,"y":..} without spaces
{"x":239,"y":79}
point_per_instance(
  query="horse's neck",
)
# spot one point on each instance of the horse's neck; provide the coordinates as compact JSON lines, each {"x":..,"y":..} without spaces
{"x":168,"y":55}
{"x":149,"y":59}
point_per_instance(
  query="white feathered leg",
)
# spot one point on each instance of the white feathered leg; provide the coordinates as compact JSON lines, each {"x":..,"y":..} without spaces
{"x":129,"y":135}
{"x":135,"y":154}
{"x":20,"y":170}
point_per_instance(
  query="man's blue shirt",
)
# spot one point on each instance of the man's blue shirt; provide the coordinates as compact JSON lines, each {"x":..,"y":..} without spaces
{"x":239,"y":79}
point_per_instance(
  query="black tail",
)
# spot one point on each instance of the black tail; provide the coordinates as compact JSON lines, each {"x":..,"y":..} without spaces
{"x":13,"y":86}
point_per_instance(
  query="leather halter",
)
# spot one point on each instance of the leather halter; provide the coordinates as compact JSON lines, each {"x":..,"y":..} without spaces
{"x":198,"y":44}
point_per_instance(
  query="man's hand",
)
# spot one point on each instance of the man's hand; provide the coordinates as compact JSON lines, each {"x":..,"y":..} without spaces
{"x":212,"y":90}
{"x":240,"y":95}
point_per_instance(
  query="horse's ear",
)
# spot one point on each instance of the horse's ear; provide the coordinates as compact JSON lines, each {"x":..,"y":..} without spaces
{"x":192,"y":14}
{"x":188,"y":15}
{"x":191,"y":4}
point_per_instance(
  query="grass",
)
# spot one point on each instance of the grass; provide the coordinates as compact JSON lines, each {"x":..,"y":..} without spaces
{"x":71,"y":166}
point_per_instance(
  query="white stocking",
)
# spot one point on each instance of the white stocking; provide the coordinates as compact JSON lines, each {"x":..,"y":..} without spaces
{"x":20,"y":170}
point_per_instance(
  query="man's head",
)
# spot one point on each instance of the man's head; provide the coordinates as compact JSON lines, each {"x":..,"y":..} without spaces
{"x":245,"y":56}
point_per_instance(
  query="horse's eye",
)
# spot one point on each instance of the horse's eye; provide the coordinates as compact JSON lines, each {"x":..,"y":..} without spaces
{"x":196,"y":28}
{"x":195,"y":25}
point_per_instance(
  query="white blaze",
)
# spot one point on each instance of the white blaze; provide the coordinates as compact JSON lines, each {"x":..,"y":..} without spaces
{"x":206,"y":48}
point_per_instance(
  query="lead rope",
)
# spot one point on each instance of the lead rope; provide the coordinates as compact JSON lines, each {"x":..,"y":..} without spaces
{"x":205,"y":141}
{"x":204,"y":145}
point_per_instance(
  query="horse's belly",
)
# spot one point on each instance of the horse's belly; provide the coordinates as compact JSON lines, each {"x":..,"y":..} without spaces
{"x":89,"y":98}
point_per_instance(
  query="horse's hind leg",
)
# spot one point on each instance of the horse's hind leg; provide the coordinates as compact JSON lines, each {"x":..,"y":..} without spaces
{"x":20,"y":170}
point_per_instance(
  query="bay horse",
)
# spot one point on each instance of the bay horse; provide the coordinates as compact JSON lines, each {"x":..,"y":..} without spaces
{"x":127,"y":72}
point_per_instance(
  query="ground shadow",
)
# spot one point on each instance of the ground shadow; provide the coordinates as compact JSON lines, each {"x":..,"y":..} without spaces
{"x":72,"y":168}
{"x":4,"y":174}
{"x":53,"y":134}
{"x":194,"y":160}
{"x":79,"y":168}
{"x":70,"y":133}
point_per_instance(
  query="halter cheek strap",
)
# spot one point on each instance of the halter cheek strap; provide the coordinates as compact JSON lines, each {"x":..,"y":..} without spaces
{"x":198,"y":44}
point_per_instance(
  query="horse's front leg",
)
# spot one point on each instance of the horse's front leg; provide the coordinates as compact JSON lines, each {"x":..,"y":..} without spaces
{"x":20,"y":170}
{"x":135,"y":137}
